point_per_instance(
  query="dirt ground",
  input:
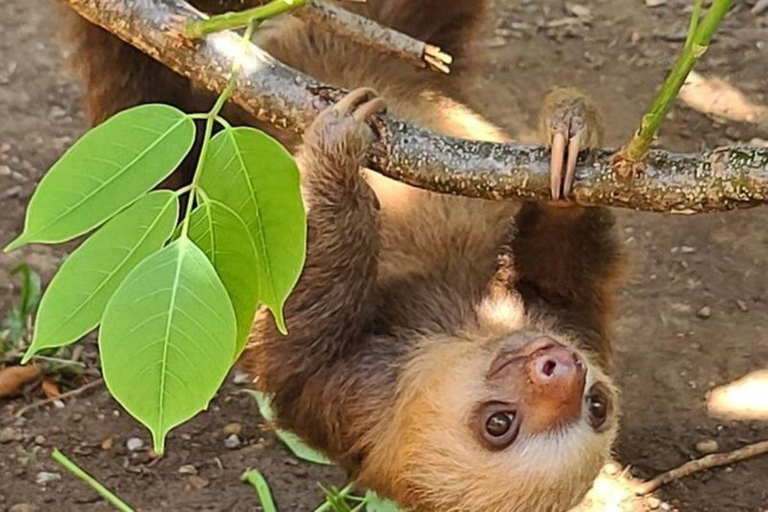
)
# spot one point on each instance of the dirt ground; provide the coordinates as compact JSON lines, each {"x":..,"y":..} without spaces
{"x":670,"y":351}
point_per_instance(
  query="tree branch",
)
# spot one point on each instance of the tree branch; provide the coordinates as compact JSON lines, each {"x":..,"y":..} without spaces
{"x":337,"y":20}
{"x":716,"y":180}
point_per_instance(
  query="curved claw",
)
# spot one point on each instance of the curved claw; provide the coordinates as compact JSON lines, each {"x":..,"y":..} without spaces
{"x":574,"y":146}
{"x":556,"y":165}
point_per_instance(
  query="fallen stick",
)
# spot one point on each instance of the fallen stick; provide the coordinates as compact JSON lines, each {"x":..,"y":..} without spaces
{"x":716,"y":180}
{"x":707,"y":462}
{"x":63,"y":396}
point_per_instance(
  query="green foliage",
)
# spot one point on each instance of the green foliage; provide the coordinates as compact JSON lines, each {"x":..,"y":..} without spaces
{"x":97,"y":486}
{"x":17,"y":319}
{"x":174,"y":315}
{"x":375,"y":503}
{"x":259,"y":180}
{"x":225,"y":240}
{"x":291,"y":440}
{"x":167,"y":338}
{"x":77,"y":296}
{"x":106,"y":170}
{"x":257,"y":480}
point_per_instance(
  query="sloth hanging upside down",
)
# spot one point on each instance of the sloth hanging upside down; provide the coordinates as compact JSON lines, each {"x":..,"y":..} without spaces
{"x":451,"y":353}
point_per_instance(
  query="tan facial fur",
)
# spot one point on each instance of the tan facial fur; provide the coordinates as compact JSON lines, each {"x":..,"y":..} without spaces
{"x":433,"y":460}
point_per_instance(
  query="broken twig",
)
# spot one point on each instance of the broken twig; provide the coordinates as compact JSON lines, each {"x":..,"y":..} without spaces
{"x":63,"y":396}
{"x":721,"y":179}
{"x":707,"y":462}
{"x":337,"y":20}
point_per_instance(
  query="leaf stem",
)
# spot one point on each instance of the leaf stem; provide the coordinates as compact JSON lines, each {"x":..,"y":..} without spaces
{"x":694,"y":24}
{"x":211,"y":117}
{"x":697,"y":44}
{"x":95,"y":484}
{"x":232,"y":20}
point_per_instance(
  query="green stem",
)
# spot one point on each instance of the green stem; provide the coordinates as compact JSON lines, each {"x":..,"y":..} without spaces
{"x":694,"y":24}
{"x":232,"y":20}
{"x":343,"y":493}
{"x":95,"y":484}
{"x":257,"y":480}
{"x":638,"y":147}
{"x":210,"y":118}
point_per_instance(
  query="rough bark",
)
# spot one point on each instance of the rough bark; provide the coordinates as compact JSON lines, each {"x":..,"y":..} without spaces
{"x":721,"y":179}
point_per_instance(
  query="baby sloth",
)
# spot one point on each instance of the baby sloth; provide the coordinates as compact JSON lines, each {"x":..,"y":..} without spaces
{"x":457,"y":364}
{"x":451,"y":353}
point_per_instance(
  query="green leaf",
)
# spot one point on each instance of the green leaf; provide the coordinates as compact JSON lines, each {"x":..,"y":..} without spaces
{"x":30,"y":289}
{"x":257,"y":480}
{"x":257,"y":178}
{"x":106,"y":170}
{"x":167,"y":338}
{"x":291,"y":440}
{"x":375,"y":503}
{"x":225,"y":240}
{"x":78,"y":294}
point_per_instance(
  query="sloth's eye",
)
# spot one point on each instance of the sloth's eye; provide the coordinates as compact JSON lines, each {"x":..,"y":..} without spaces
{"x":501,"y":429}
{"x":597,"y":406}
{"x":499,"y":423}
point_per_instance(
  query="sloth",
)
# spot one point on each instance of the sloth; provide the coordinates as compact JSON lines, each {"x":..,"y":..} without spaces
{"x":452,"y":354}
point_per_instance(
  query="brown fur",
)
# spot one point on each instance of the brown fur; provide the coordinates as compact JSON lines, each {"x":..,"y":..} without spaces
{"x":406,"y":295}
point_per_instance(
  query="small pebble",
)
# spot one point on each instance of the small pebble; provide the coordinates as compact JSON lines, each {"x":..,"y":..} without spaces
{"x":578,"y":10}
{"x":742,"y":305}
{"x":707,"y":446}
{"x":44,"y":477}
{"x":681,"y":308}
{"x":134,"y":444}
{"x":187,"y":469}
{"x":704,"y":312}
{"x":197,"y":482}
{"x":655,"y":3}
{"x":232,"y":442}
{"x":106,"y":444}
{"x":8,"y":434}
{"x":39,"y":440}
{"x":23,"y":507}
{"x":233,"y":428}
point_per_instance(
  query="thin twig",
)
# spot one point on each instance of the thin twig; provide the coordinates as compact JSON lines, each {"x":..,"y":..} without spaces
{"x":337,"y":20}
{"x":92,"y":482}
{"x":369,"y":33}
{"x":63,"y":396}
{"x":721,"y":179}
{"x":707,"y":462}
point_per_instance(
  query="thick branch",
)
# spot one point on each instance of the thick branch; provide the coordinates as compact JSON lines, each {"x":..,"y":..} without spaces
{"x":721,"y":179}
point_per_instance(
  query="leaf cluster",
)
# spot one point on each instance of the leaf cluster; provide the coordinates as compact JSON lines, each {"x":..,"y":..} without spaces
{"x":173,"y":296}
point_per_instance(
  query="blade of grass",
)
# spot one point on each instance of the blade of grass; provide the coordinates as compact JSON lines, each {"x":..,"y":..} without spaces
{"x":257,"y":480}
{"x":95,"y":484}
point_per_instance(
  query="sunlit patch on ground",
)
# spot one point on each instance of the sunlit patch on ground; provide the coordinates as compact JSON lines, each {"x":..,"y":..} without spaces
{"x":714,"y":96}
{"x":743,"y":399}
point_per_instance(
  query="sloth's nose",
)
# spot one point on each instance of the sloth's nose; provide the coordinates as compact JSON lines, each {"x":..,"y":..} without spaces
{"x":556,"y":365}
{"x":557,"y":375}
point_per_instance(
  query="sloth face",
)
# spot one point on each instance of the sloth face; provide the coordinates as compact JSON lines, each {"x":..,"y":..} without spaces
{"x":522,"y":423}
